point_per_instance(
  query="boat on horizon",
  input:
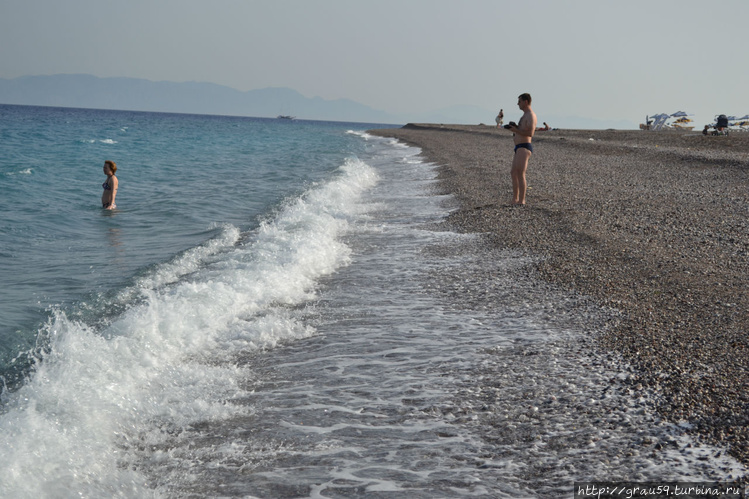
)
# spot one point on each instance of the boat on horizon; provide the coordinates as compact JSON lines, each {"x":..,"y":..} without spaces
{"x":285,"y":117}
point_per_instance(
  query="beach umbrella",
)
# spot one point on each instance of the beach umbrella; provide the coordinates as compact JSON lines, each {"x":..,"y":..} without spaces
{"x":679,"y":114}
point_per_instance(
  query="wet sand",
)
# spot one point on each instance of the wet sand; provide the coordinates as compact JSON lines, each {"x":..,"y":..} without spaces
{"x":654,"y":225}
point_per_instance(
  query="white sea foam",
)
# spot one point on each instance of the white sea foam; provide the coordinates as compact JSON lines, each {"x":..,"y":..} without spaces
{"x":359,"y":133}
{"x":103,"y":397}
{"x":27,"y":171}
{"x":191,"y":260}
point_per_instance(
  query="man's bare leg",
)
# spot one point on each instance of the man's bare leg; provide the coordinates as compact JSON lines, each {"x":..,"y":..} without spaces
{"x":519,"y":167}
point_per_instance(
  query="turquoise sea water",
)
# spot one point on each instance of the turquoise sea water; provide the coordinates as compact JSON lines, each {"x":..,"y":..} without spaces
{"x":184,"y":181}
{"x":271,"y":312}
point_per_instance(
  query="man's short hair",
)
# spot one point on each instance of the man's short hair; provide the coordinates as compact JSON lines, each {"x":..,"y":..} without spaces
{"x":526,"y":97}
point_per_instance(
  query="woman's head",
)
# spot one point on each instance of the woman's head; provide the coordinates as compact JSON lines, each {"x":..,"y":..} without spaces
{"x":111,"y":165}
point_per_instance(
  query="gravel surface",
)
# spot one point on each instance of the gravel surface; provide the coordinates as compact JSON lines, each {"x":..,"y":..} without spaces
{"x":652,"y":224}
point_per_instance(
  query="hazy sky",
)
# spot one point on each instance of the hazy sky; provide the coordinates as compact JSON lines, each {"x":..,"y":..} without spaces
{"x":591,"y":58}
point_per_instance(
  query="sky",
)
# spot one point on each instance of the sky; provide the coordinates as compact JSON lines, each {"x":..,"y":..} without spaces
{"x":597,"y":59}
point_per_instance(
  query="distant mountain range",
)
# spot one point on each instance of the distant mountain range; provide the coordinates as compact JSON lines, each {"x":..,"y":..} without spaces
{"x":133,"y":94}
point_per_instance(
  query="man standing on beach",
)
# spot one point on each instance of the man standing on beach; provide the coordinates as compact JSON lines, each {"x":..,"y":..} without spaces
{"x":522,"y":136}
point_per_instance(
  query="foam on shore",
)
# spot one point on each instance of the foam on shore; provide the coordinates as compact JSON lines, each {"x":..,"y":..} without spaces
{"x":654,"y":225}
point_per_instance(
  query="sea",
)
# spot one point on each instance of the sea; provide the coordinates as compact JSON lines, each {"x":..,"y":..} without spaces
{"x":276,"y":309}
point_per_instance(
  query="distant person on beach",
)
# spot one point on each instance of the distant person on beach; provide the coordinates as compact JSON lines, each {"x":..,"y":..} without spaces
{"x":544,"y":128}
{"x":500,"y":118}
{"x":522,"y":136}
{"x":110,"y":186}
{"x":721,"y":125}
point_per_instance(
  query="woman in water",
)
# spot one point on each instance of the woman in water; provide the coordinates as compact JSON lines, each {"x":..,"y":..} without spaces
{"x":110,"y":186}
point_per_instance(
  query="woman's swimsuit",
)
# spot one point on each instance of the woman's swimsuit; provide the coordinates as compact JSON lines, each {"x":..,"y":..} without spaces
{"x":106,"y":187}
{"x":525,"y":145}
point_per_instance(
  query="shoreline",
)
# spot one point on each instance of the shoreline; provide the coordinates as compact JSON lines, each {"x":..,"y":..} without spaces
{"x":652,"y":224}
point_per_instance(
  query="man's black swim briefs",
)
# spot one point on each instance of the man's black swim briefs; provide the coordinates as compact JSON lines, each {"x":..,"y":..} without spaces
{"x":526,"y":145}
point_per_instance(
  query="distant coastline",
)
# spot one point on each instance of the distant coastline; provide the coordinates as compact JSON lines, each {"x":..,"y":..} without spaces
{"x":133,"y":94}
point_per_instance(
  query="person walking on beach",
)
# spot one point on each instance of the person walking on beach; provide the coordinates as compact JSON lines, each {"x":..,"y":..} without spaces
{"x":522,"y":136}
{"x":500,"y":118}
{"x":109,"y":186}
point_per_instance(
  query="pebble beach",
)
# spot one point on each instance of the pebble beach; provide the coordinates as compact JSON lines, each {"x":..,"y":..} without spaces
{"x":653,"y":226}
